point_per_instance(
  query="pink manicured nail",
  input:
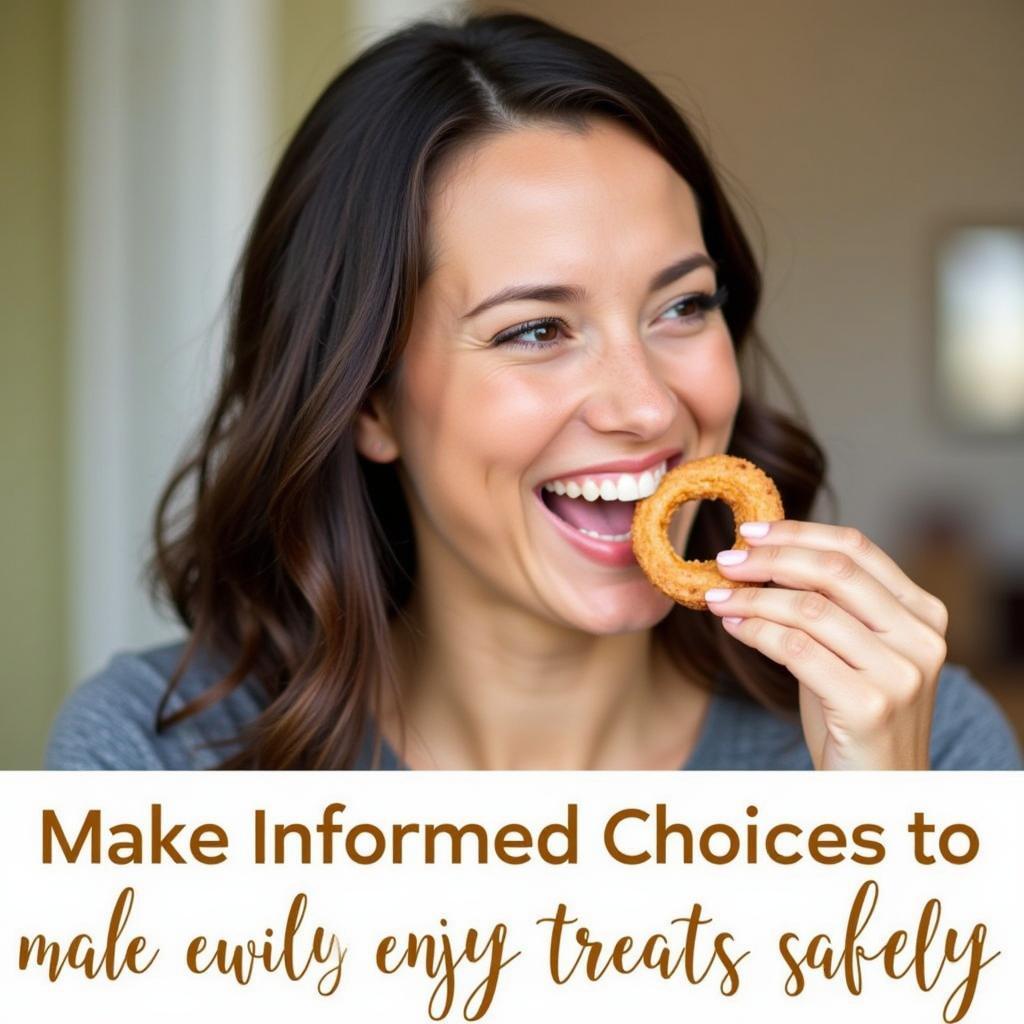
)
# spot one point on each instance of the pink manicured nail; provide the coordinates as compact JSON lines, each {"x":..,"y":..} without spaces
{"x":732,"y":557}
{"x":719,"y":594}
{"x":733,"y":620}
{"x":754,"y":529}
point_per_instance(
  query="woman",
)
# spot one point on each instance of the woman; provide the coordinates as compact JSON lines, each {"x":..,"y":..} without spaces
{"x":493,"y":271}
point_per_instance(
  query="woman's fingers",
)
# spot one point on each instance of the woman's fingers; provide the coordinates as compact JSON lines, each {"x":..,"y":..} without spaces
{"x":840,"y":688}
{"x":812,"y":613}
{"x":849,"y":541}
{"x":846,"y":584}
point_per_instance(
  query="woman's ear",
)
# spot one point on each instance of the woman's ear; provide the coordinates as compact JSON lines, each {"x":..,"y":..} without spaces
{"x":374,"y":434}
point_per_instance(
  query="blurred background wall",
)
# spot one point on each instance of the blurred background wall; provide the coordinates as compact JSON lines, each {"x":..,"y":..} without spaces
{"x":137,"y":137}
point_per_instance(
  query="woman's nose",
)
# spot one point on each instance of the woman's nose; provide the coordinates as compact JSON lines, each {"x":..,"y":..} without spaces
{"x":627,"y":393}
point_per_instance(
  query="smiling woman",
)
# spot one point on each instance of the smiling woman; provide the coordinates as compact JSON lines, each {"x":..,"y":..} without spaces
{"x":493,"y":292}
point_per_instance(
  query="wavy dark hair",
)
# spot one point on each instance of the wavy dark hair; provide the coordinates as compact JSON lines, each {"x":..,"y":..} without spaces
{"x":294,"y":553}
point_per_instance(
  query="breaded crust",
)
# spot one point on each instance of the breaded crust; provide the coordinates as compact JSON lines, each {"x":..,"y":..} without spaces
{"x":747,"y":489}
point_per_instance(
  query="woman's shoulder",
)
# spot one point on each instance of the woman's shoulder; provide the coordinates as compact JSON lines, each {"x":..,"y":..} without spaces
{"x":108,"y":720}
{"x":970,"y":732}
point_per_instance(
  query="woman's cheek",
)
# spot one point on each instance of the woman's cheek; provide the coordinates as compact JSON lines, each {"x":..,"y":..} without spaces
{"x":471,"y":438}
{"x":516,"y":416}
{"x":707,"y":382}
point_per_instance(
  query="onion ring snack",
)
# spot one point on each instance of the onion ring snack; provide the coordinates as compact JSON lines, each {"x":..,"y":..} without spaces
{"x":746,"y":489}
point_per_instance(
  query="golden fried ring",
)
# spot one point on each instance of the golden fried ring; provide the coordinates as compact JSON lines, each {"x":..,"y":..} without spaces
{"x":749,"y":492}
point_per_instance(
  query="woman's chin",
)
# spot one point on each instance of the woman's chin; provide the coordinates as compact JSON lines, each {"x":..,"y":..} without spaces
{"x":626,"y":610}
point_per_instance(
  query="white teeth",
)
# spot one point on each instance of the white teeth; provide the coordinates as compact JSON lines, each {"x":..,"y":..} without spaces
{"x":605,"y":536}
{"x":628,"y":487}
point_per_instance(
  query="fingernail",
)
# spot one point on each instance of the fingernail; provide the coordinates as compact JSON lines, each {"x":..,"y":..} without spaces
{"x":732,"y":556}
{"x":754,"y":529}
{"x":732,"y":620}
{"x":721,"y":594}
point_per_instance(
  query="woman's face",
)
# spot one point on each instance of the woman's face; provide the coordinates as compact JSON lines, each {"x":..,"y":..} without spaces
{"x":620,"y":379}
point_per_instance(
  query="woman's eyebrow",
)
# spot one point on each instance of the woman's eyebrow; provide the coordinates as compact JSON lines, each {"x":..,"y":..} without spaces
{"x":574,"y":293}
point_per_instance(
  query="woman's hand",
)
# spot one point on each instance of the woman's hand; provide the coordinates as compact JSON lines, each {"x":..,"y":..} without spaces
{"x":864,"y":641}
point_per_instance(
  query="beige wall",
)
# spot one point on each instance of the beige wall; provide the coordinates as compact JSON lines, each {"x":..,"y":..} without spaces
{"x":32,"y":608}
{"x":314,"y":39}
{"x":855,"y":129}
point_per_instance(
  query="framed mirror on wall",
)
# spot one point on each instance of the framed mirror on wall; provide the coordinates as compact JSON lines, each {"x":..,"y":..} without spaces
{"x":978,"y":335}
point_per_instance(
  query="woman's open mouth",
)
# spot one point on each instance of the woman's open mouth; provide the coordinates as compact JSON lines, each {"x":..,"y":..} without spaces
{"x":596,"y":510}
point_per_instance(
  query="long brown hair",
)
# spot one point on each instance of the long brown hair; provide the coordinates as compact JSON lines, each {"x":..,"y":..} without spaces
{"x":292,"y":553}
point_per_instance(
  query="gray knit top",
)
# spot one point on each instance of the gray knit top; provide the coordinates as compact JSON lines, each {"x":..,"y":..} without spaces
{"x":107,"y":722}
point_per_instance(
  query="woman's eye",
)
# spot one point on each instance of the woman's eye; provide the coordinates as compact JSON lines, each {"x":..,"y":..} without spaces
{"x":686,"y":309}
{"x":535,"y":334}
{"x":693,"y":307}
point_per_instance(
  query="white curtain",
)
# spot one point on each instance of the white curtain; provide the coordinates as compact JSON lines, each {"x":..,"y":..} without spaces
{"x":169,"y":143}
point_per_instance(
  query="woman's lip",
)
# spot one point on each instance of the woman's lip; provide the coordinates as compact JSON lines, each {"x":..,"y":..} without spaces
{"x":615,"y":553}
{"x":636,"y":466}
